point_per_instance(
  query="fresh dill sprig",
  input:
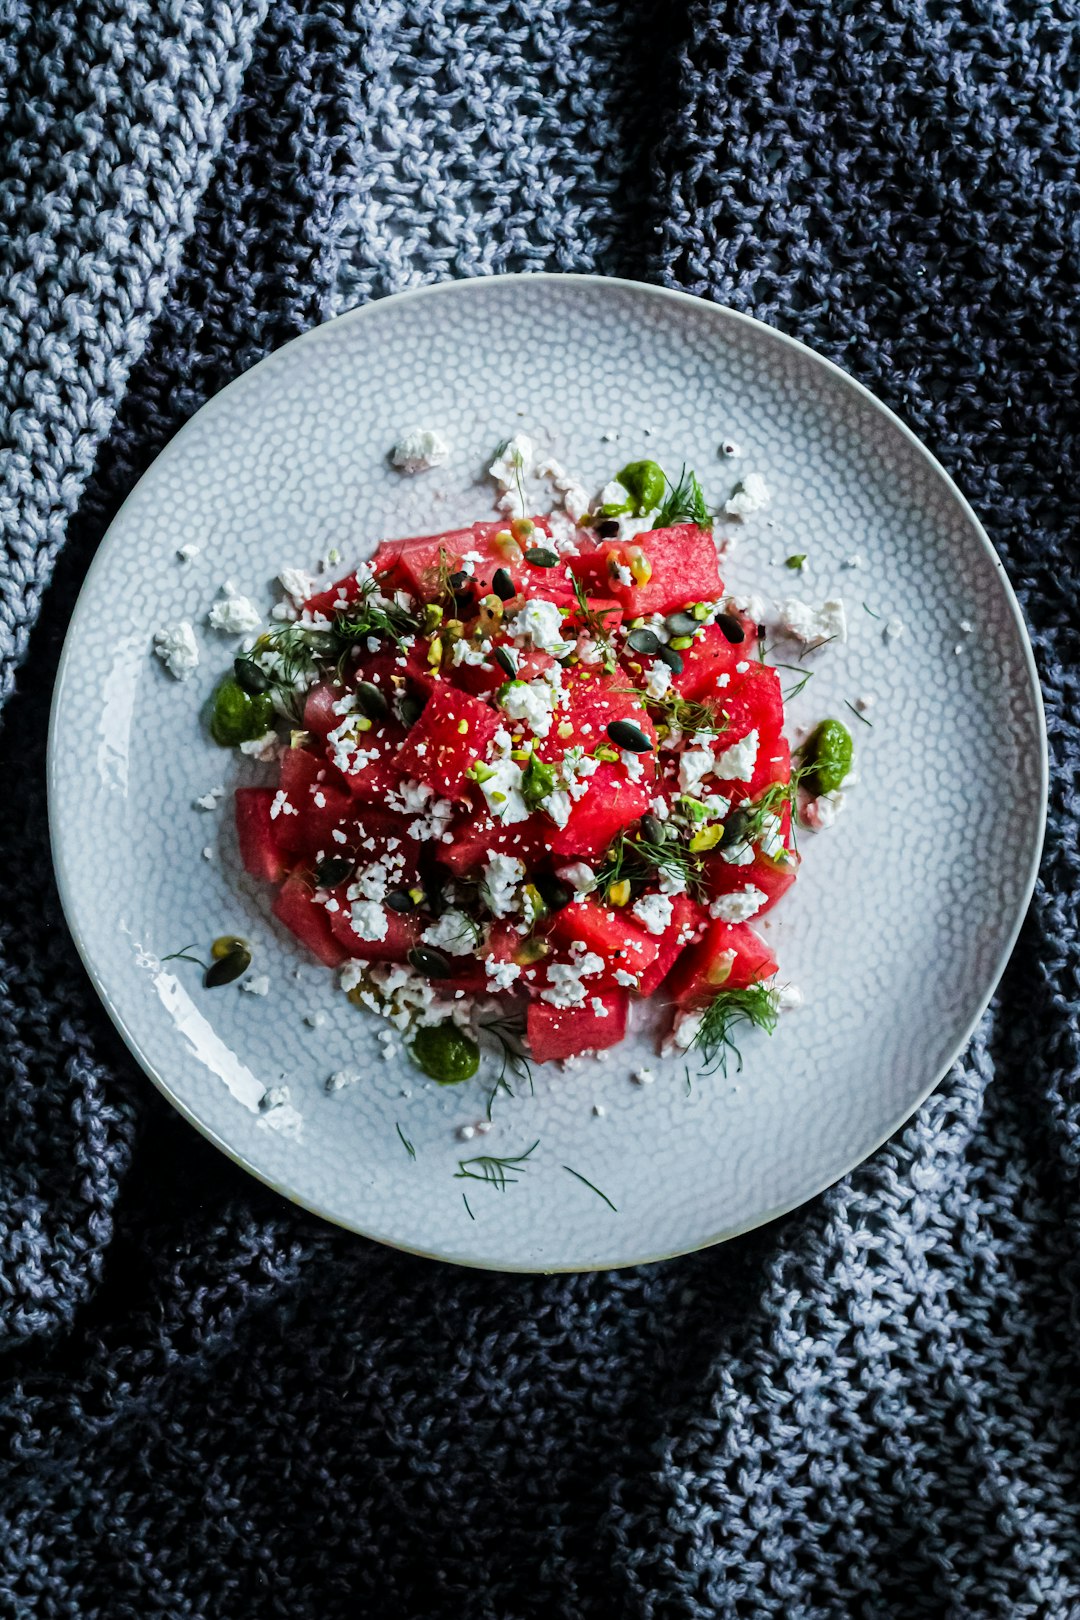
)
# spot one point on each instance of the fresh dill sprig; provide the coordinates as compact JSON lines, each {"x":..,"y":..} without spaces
{"x":640,"y":860}
{"x":498,"y":1173}
{"x":756,"y":1005}
{"x":406,"y":1144}
{"x":815,"y":646}
{"x":679,"y":713}
{"x":685,"y":503}
{"x":468,"y":1211}
{"x":509,"y":1032}
{"x":746,"y":824}
{"x":591,"y":1188}
{"x":858,"y":714}
{"x":804,"y":674}
{"x":871,"y":612}
{"x":595,"y":624}
{"x":185,"y":956}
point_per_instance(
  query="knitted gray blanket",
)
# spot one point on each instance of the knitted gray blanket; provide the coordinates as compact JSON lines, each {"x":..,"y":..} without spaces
{"x":216,"y":1406}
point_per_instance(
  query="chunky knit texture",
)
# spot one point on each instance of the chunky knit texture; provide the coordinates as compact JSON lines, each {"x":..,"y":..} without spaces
{"x":216,"y":1406}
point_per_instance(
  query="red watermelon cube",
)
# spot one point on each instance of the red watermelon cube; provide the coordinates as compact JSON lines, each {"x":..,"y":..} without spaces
{"x":453,"y":732}
{"x":562,"y":1032}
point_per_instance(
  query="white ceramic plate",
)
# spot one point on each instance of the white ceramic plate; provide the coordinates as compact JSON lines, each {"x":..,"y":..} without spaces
{"x":905,"y":911}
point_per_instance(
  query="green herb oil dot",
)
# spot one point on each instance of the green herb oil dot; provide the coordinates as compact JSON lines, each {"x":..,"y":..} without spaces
{"x":446,"y":1054}
{"x":645,"y":484}
{"x":829,"y":751}
{"x":239,"y":716}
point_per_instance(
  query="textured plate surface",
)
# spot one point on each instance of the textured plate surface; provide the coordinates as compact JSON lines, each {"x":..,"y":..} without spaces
{"x":904,"y":913}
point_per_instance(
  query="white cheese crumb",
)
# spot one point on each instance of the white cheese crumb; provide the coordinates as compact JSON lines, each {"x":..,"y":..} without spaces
{"x":208,"y":853}
{"x":789,"y":998}
{"x":501,"y":975}
{"x":262,"y":748}
{"x":854,"y":561}
{"x":368,"y":919}
{"x":297,"y":584}
{"x":418,"y":450}
{"x":628,"y":980}
{"x":258,"y":986}
{"x":579,"y":876}
{"x":500,"y":882}
{"x":803,"y":622}
{"x":823,"y":811}
{"x":610,"y":436}
{"x":315,"y":1020}
{"x":541,"y":623}
{"x":685,"y":1032}
{"x":177,"y":648}
{"x":966,"y":627}
{"x":281,"y":806}
{"x":532,"y":702}
{"x":454,"y":933}
{"x":565,"y":986}
{"x":653,"y":911}
{"x":209,"y":801}
{"x":599,"y":1111}
{"x":465,"y":1133}
{"x":730,"y":449}
{"x":643,"y":1077}
{"x":658,"y":680}
{"x":736,"y":764}
{"x":234,"y":615}
{"x":694,"y":765}
{"x":752,"y":495}
{"x":739,"y":906}
{"x":894,"y":628}
{"x":511,"y":466}
{"x":502,"y":791}
{"x":351,"y":975}
{"x":273,"y":1097}
{"x":342,"y":1078}
{"x":188,"y":550}
{"x":864,"y":703}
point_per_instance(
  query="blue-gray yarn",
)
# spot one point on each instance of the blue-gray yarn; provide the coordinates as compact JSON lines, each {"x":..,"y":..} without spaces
{"x":212,"y":1404}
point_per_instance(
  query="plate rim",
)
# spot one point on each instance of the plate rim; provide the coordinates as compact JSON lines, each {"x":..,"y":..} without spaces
{"x":679,"y":297}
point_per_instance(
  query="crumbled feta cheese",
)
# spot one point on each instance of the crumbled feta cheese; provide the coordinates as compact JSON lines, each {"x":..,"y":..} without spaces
{"x":541,"y":623}
{"x":177,"y":648}
{"x":789,"y":998}
{"x":257,"y":986}
{"x":418,"y":450}
{"x":599,"y":1007}
{"x":966,"y":627}
{"x":685,"y":1032}
{"x":864,"y":703}
{"x":369,"y":919}
{"x":282,"y":806}
{"x":234,"y":615}
{"x":623,"y":575}
{"x":643,"y":1077}
{"x":771,"y":840}
{"x":894,"y":628}
{"x":736,"y":764}
{"x":579,"y":876}
{"x":502,"y":792}
{"x":531,"y":701}
{"x":454,"y":933}
{"x":741,"y":854}
{"x":409,"y":796}
{"x":730,"y":449}
{"x":297,"y":584}
{"x":500,"y":882}
{"x":738,"y":907}
{"x":752,"y":495}
{"x":599,"y":1111}
{"x":501,"y":975}
{"x":628,"y":980}
{"x":653,"y":911}
{"x":340,"y":1079}
{"x":854,"y":561}
{"x":694,"y":765}
{"x":262,"y":748}
{"x":564,"y":980}
{"x":209,"y":801}
{"x":752,"y":606}
{"x":823,"y":811}
{"x":208,"y":853}
{"x":188,"y":550}
{"x":351,"y":975}
{"x":658,"y":680}
{"x":806,"y":623}
{"x":273,"y":1097}
{"x":511,"y":466}
{"x":315,"y":1020}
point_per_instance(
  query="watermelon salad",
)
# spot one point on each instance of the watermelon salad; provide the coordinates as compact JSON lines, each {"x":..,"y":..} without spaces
{"x":532,"y":778}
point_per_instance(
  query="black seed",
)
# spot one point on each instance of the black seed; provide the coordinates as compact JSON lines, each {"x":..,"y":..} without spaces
{"x":401,"y":900}
{"x":458,"y":581}
{"x":673,"y":660}
{"x":624,"y":734}
{"x":731,"y":627}
{"x":334,"y":870}
{"x":652,"y":829}
{"x":503,"y":585}
{"x":227,"y":968}
{"x":644,"y":641}
{"x":410,"y":709}
{"x":463,"y":604}
{"x":608,"y":529}
{"x":553,"y":891}
{"x":682,"y":624}
{"x":735,"y":829}
{"x":371,"y":702}
{"x":541,"y":557}
{"x":505,"y":661}
{"x":432,"y":964}
{"x":250,"y":677}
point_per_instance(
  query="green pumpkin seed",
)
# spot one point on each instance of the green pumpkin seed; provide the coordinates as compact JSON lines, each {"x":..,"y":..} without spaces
{"x":652,"y":829}
{"x":370,"y":701}
{"x":458,"y":580}
{"x":432,"y":964}
{"x":401,"y":901}
{"x":681,"y":624}
{"x":624,"y":734}
{"x":250,"y":677}
{"x":673,"y":660}
{"x":410,"y":710}
{"x":334,"y":870}
{"x":505,"y":660}
{"x":228,"y":968}
{"x":644,"y":641}
{"x":541,"y":557}
{"x":503,"y":585}
{"x":555,"y":894}
{"x":731,"y":627}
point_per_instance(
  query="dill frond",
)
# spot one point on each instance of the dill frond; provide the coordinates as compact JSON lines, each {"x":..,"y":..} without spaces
{"x":756,"y":1005}
{"x":685,"y":503}
{"x":499,"y":1173}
